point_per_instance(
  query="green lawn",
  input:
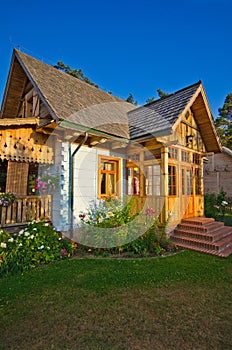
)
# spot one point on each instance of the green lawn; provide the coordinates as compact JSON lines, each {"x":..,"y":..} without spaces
{"x":177,"y":302}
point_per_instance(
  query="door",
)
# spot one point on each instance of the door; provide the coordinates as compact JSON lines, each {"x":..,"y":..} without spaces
{"x":187,"y":197}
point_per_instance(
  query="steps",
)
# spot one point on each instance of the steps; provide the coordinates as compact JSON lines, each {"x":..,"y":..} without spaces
{"x":204,"y":235}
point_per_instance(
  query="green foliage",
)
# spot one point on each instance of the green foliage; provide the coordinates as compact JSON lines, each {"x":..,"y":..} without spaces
{"x":131,"y":99}
{"x":224,"y":122}
{"x":77,"y":73}
{"x":215,"y":204}
{"x":7,"y":198}
{"x":37,"y":244}
{"x":162,"y":94}
{"x":116,"y":215}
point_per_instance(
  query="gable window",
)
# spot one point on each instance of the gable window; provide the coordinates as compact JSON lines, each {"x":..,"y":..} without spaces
{"x":108,"y":177}
{"x":171,"y":180}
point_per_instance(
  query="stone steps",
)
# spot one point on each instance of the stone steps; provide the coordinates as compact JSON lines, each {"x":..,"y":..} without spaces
{"x":204,"y":235}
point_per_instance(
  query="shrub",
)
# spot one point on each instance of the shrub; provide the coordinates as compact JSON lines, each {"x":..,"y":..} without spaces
{"x":35,"y":245}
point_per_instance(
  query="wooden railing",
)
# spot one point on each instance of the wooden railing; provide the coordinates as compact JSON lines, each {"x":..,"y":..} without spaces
{"x":25,"y":209}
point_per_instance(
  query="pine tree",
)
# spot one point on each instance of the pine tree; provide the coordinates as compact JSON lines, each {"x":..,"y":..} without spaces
{"x":131,"y":99}
{"x":224,"y":122}
{"x":77,"y":73}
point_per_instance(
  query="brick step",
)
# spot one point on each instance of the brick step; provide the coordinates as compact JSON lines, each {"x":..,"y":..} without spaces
{"x":199,"y":221}
{"x":210,"y":227}
{"x":213,"y":236}
{"x":226,"y":252}
{"x":218,"y":245}
{"x":200,"y":249}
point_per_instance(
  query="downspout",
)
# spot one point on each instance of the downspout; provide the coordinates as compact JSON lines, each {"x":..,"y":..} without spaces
{"x":71,"y":179}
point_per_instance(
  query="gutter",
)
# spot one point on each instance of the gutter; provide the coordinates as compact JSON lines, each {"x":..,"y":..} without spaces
{"x":71,"y":179}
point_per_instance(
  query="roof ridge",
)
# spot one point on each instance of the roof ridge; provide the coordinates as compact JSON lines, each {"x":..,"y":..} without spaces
{"x":172,"y":94}
{"x":18,"y":53}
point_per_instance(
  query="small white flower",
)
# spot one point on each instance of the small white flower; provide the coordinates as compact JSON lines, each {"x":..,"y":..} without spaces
{"x":42,"y":246}
{"x":48,"y":248}
{"x":32,"y":236}
{"x":35,"y":229}
{"x":21,"y":232}
{"x":20,"y":244}
{"x":46,"y":224}
{"x":11,"y":239}
{"x":224,"y":203}
{"x":59,"y":238}
{"x":26,"y":234}
{"x":3,"y":245}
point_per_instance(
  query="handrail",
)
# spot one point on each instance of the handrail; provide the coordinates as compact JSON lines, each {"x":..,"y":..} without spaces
{"x":25,"y":209}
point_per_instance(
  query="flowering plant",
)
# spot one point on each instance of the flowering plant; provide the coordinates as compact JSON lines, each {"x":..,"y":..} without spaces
{"x":46,"y":183}
{"x":7,"y":198}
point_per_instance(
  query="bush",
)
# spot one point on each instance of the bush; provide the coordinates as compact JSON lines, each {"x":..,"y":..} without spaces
{"x":36,"y":245}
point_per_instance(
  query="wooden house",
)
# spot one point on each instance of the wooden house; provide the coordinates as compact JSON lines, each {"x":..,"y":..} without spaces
{"x":218,"y":173}
{"x":100,"y":145}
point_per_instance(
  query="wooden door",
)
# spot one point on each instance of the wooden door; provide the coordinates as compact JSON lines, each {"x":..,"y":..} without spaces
{"x":187,"y":196}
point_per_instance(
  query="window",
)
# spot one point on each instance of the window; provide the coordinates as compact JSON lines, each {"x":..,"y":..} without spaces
{"x":133,"y":187}
{"x":152,"y":182}
{"x":171,"y":180}
{"x":197,"y":182}
{"x":189,"y":181}
{"x":185,"y":157}
{"x":108,"y":176}
{"x":183,"y":181}
{"x":196,"y":158}
{"x":173,"y":152}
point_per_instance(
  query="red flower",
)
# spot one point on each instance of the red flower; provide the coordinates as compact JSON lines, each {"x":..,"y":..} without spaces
{"x":1,"y":259}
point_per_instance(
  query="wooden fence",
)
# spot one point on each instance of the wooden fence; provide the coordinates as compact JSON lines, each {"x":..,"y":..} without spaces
{"x":25,"y":209}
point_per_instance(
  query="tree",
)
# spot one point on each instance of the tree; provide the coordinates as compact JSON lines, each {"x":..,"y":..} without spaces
{"x":161,"y":93}
{"x":77,"y":73}
{"x":131,"y":99}
{"x":151,"y":99}
{"x":224,"y":122}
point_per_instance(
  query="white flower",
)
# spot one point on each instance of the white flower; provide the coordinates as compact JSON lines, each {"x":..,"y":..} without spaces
{"x":26,"y":234}
{"x":35,"y":229}
{"x":21,"y":232}
{"x":224,"y":203}
{"x":3,"y":245}
{"x":32,"y":236}
{"x":48,"y":248}
{"x":59,"y":238}
{"x":46,"y":224}
{"x":11,"y":239}
{"x":20,"y":244}
{"x":42,"y":246}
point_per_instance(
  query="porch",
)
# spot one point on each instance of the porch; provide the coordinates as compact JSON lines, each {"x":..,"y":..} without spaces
{"x":25,"y":209}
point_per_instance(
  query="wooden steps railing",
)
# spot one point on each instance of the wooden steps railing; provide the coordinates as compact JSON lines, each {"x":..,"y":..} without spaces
{"x":25,"y":209}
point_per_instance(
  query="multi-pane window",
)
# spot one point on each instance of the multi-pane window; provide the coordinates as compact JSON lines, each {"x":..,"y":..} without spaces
{"x":133,"y":187}
{"x":173,"y":152}
{"x":196,"y":158}
{"x":197,"y":181}
{"x":189,"y":181}
{"x":185,"y":157}
{"x":152,"y":182}
{"x":108,"y":176}
{"x":183,"y":181}
{"x":171,"y":180}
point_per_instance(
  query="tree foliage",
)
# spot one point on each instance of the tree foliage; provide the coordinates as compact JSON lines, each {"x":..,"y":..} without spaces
{"x":131,"y":99}
{"x":224,"y":122}
{"x":162,"y":94}
{"x":77,"y":73}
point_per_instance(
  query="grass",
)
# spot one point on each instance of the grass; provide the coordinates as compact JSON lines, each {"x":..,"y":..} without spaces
{"x":178,"y":302}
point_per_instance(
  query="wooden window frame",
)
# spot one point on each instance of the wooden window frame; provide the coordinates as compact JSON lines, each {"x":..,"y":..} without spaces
{"x":172,"y":181}
{"x":116,"y":172}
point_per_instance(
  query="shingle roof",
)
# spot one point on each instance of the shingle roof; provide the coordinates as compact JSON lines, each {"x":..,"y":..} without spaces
{"x":72,"y":99}
{"x":160,"y":115}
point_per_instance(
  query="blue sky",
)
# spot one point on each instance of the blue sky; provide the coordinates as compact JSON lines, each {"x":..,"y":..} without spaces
{"x":127,"y":46}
